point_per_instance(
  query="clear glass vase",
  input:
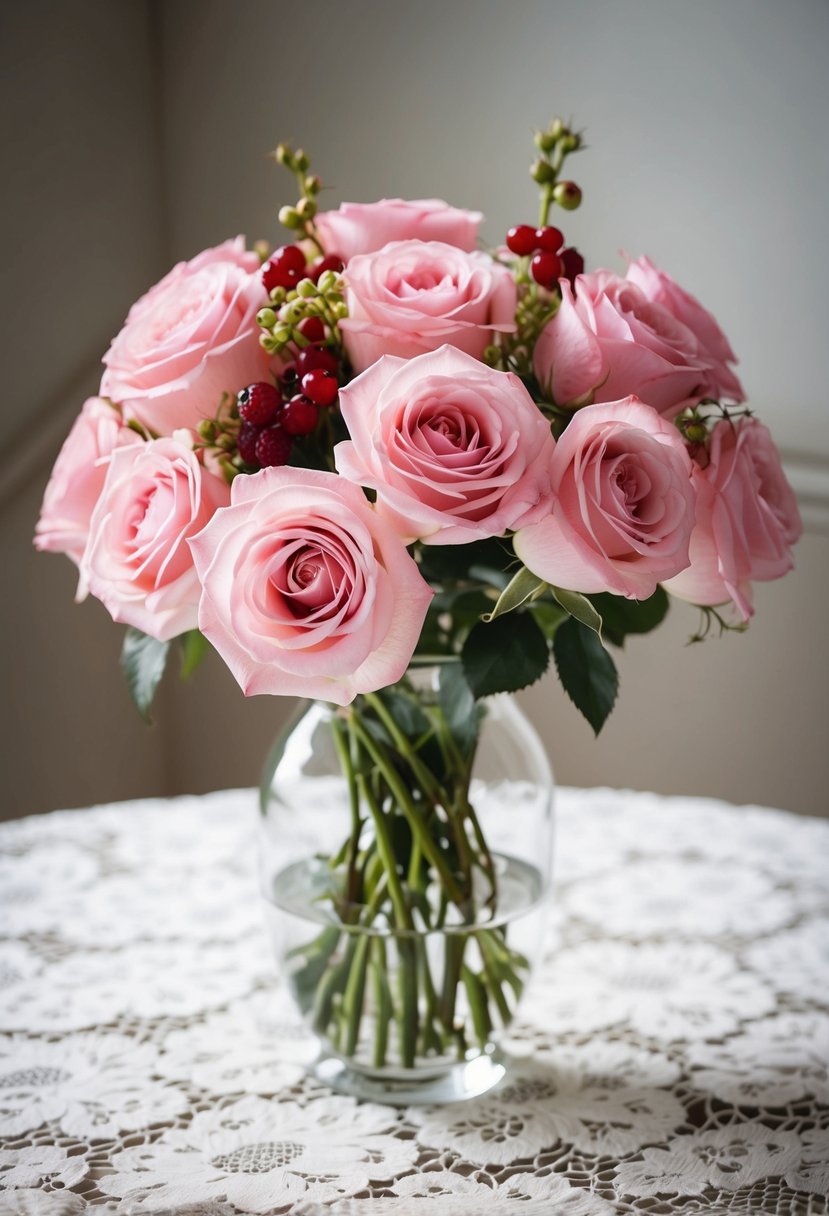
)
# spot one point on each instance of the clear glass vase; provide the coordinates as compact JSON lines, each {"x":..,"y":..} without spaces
{"x":406,"y":863}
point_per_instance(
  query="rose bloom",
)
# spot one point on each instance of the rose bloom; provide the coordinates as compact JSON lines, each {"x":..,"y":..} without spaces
{"x":414,"y":296}
{"x":77,"y":479}
{"x":137,"y":561}
{"x":306,"y":590}
{"x":191,"y":338}
{"x":747,"y":518}
{"x":623,"y":504}
{"x":455,"y":450}
{"x":608,"y":341}
{"x":659,"y":287}
{"x":367,"y":227}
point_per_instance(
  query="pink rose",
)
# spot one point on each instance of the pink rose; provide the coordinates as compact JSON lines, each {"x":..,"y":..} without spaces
{"x":713,"y":344}
{"x":306,"y":590}
{"x":413,"y":296}
{"x":78,"y":478}
{"x":137,"y":561}
{"x":191,"y":338}
{"x":367,"y":227}
{"x":623,"y":504}
{"x":455,"y":450}
{"x":747,"y":518}
{"x":608,"y":341}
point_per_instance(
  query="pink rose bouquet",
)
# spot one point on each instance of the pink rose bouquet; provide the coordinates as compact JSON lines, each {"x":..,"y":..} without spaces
{"x":377,"y":446}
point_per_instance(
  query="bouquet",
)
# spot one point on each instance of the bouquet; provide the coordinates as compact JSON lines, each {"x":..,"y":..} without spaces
{"x":378,"y":446}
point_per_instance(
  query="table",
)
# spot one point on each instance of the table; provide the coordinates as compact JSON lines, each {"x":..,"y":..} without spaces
{"x":673,"y":1056}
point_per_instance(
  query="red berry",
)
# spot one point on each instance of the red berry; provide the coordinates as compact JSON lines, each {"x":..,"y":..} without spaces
{"x":290,"y":256}
{"x":275,"y":275}
{"x":313,"y":357}
{"x":285,"y":267}
{"x":321,"y":386}
{"x":549,"y":239}
{"x":258,"y":403}
{"x":521,"y":240}
{"x":545,"y":268}
{"x":572,"y":263}
{"x":273,"y":447}
{"x":312,"y":329}
{"x":246,"y":442}
{"x":331,"y":261}
{"x":299,"y":416}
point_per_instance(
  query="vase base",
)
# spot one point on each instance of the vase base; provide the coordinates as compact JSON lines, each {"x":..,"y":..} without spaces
{"x":466,"y":1079}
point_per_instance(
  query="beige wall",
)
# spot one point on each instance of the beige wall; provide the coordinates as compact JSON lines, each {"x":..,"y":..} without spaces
{"x":707,"y":150}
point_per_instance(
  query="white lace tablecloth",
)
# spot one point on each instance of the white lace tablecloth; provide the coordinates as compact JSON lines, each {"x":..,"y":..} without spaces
{"x":673,"y":1056}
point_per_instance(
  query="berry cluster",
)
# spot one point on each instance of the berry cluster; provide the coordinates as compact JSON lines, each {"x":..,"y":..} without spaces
{"x":287,"y":266}
{"x":272,"y":416}
{"x":549,"y":262}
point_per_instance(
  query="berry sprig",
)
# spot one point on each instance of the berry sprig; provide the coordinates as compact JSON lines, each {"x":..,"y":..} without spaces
{"x":549,"y":262}
{"x":304,"y":299}
{"x":257,"y":429}
{"x":554,"y":146}
{"x":542,"y":258}
{"x":299,"y":218}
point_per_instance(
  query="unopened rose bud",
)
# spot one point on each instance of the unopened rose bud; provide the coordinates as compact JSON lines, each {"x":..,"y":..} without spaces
{"x":207,"y":429}
{"x":544,"y":141}
{"x":557,"y":128}
{"x":277,"y":296}
{"x":491,"y":355}
{"x":306,"y":208}
{"x":266,"y":317}
{"x":269,"y":343}
{"x":262,"y":249}
{"x":542,"y":171}
{"x":282,"y":334}
{"x":283,"y":154}
{"x":567,"y":195}
{"x":302,"y":161}
{"x":289,"y":217}
{"x":312,"y":185}
{"x":570,"y":142}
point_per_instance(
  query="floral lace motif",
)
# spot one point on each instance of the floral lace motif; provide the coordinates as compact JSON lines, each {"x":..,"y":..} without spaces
{"x":672,"y":1055}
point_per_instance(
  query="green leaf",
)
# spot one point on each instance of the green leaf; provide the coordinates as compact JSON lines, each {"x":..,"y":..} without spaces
{"x":504,"y":655}
{"x":621,"y":616}
{"x":521,"y":587}
{"x":455,"y":563}
{"x":548,"y":615}
{"x":460,"y":710}
{"x":194,"y":646}
{"x":142,"y":661}
{"x":579,"y":606}
{"x":586,"y":671}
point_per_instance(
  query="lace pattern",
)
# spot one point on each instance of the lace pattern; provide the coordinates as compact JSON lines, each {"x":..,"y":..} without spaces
{"x":672,"y":1056}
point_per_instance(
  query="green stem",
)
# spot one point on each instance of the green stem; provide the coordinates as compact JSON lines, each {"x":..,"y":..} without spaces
{"x":347,"y":765}
{"x":422,"y":772}
{"x":386,"y":851}
{"x":476,"y":995}
{"x":405,"y":802}
{"x":454,"y":944}
{"x":384,"y":1010}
